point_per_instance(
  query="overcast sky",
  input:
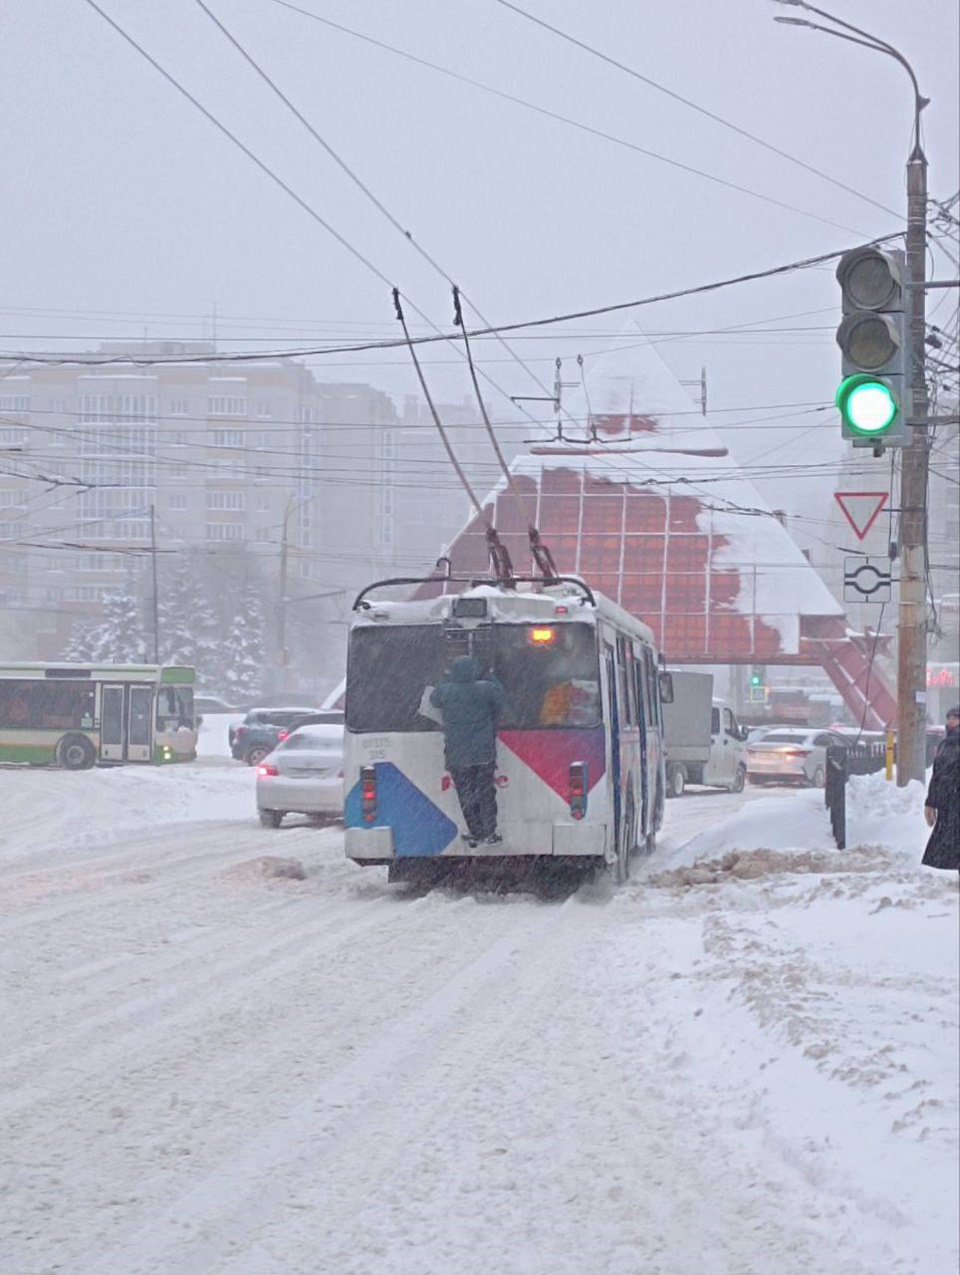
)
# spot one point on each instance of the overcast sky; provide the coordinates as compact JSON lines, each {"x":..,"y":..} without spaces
{"x":126,"y":213}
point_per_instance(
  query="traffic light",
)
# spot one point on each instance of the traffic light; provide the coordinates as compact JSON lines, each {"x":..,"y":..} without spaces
{"x":758,"y":684}
{"x":874,"y":395}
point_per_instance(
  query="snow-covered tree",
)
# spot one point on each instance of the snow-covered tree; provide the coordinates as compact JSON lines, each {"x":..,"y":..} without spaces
{"x":121,"y":637}
{"x":189,"y":627}
{"x":243,"y":667}
{"x":82,"y":643}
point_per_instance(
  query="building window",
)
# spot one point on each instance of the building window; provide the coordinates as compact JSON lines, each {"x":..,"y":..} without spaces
{"x":226,"y":405}
{"x":179,"y":407}
{"x":263,"y":411}
{"x":224,"y":531}
{"x":179,"y":471}
{"x":118,"y":407}
{"x":12,"y":530}
{"x":228,"y":438}
{"x":16,"y":404}
{"x":11,"y":437}
{"x":9,"y":498}
{"x":261,"y":440}
{"x":263,"y":536}
{"x":177,"y":501}
{"x":179,"y":439}
{"x":263,"y":503}
{"x":233,"y":500}
{"x":58,"y":405}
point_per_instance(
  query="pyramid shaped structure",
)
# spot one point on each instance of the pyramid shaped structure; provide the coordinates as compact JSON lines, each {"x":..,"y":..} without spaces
{"x":642,"y":499}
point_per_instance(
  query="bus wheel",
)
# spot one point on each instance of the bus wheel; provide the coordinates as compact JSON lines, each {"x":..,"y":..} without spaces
{"x":75,"y":752}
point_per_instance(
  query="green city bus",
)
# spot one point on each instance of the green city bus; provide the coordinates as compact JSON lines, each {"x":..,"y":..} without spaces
{"x":77,"y":716}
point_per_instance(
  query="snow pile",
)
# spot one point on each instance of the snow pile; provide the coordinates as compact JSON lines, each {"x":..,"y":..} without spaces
{"x":881,"y":814}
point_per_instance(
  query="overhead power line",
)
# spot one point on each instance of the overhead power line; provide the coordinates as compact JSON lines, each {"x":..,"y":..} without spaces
{"x":563,"y":119}
{"x":804,"y":263}
{"x":694,"y":106}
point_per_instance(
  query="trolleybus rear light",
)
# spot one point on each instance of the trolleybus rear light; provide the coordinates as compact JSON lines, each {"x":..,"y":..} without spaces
{"x":577,"y":796}
{"x":368,"y":792}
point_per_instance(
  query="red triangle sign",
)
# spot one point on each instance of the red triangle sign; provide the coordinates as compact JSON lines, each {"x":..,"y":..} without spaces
{"x":861,"y":508}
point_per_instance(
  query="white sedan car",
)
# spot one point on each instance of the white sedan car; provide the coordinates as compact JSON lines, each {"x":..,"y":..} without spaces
{"x":790,"y":756}
{"x":303,"y":775}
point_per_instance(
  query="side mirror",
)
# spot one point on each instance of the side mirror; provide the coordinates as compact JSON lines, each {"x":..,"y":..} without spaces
{"x":666,"y":688}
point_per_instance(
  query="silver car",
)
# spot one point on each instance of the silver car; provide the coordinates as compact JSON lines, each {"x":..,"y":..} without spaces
{"x":790,"y":756}
{"x":303,"y":775}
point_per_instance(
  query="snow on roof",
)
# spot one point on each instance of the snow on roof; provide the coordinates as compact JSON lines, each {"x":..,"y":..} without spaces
{"x":644,"y":501}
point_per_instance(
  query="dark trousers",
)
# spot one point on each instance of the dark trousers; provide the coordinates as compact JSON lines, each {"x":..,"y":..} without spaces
{"x":478,"y":799}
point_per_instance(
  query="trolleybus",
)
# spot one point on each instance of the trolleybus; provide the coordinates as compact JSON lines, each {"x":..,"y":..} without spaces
{"x":76,"y":715}
{"x":579,"y":769}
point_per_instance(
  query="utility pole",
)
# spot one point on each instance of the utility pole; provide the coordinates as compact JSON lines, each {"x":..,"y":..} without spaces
{"x":282,"y":656}
{"x":912,"y":621}
{"x":155,"y":598}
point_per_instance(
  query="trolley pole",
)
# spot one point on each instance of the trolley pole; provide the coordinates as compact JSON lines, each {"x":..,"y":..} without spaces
{"x":155,"y":596}
{"x":912,"y":620}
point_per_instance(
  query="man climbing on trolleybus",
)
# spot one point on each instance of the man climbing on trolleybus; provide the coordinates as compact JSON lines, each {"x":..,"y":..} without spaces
{"x":471,"y":711}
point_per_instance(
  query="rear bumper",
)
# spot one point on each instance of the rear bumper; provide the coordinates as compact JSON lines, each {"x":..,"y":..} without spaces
{"x":563,"y":841}
{"x":300,"y":796}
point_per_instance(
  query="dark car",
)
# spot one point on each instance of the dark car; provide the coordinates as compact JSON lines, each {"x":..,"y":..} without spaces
{"x":263,"y":728}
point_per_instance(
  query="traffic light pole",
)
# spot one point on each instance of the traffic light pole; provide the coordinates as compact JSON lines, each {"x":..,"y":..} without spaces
{"x":912,"y":620}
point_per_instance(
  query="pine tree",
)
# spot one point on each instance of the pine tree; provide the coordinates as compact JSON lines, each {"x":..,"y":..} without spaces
{"x":82,"y":643}
{"x":243,"y":672}
{"x":121,"y":637}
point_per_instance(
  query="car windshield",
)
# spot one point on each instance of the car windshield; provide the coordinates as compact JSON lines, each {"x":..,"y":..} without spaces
{"x":550,"y":674}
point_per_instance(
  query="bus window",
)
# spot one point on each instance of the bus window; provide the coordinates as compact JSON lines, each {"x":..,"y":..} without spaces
{"x":46,"y":705}
{"x":556,"y":684}
{"x":652,"y":688}
{"x":141,"y":701}
{"x":388,"y":671}
{"x":174,"y":708}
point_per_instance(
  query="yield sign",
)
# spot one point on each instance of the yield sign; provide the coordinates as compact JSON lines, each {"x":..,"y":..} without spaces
{"x":860,"y":508}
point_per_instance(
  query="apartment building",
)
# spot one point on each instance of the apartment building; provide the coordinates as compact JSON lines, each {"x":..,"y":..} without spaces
{"x":322,"y":485}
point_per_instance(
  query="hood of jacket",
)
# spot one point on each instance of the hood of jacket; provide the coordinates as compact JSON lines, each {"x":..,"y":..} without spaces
{"x":464,"y":668}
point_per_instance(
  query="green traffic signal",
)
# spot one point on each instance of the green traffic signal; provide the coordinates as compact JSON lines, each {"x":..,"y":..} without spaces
{"x":868,"y":405}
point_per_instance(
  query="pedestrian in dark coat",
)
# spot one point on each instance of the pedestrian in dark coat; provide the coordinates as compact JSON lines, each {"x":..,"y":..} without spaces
{"x":942,"y":809}
{"x":471,"y":710}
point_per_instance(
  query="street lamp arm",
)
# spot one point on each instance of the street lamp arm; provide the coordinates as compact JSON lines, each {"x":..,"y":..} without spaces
{"x":868,"y":41}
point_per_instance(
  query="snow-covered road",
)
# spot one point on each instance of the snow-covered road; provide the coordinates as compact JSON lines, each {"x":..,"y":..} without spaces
{"x":745,"y":1068}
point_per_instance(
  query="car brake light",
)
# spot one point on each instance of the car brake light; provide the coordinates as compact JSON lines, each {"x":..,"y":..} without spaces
{"x":368,"y":792}
{"x":577,"y":795}
{"x":240,"y":730}
{"x":282,"y":735}
{"x":267,"y":769}
{"x":796,"y":752}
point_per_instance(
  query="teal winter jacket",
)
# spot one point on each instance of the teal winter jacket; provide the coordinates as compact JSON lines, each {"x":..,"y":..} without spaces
{"x":471,"y":710}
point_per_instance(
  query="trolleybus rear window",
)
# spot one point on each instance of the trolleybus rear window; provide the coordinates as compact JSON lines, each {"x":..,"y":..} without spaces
{"x":550,"y":674}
